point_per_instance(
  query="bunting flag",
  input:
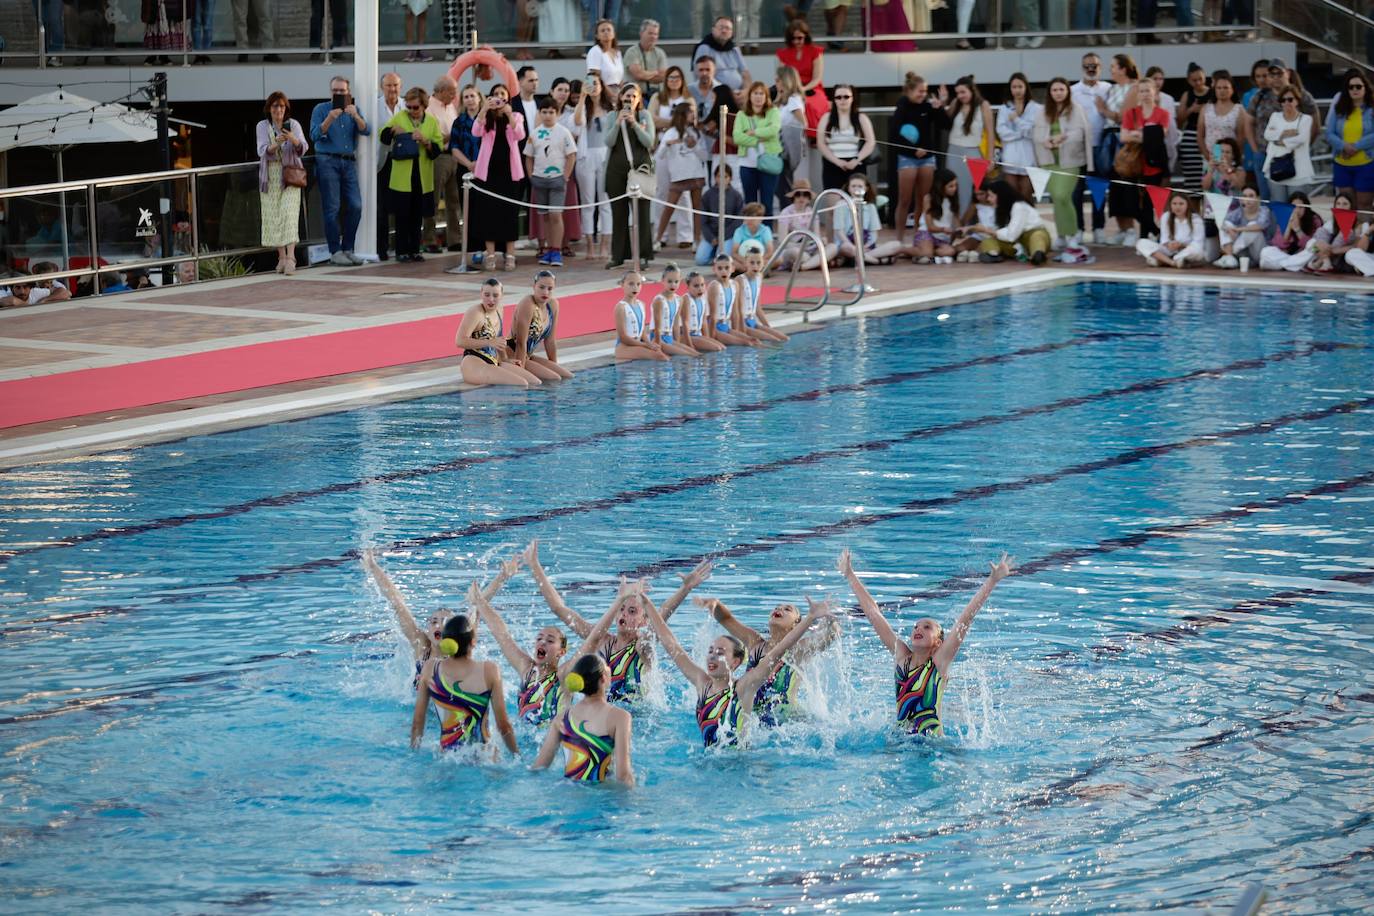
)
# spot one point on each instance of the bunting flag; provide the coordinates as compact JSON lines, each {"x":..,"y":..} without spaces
{"x":1282,"y":214}
{"x":1097,"y":187}
{"x":1159,"y":197}
{"x":1039,"y":178}
{"x":977,"y":169}
{"x":1345,"y":219}
{"x":1220,"y":205}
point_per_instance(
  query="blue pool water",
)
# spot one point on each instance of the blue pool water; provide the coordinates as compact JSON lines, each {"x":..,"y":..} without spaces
{"x":204,"y":705}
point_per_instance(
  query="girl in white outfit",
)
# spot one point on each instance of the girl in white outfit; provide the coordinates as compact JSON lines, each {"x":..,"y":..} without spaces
{"x":592,"y":152}
{"x":1015,"y":126}
{"x":1289,"y":133}
{"x":1182,"y":237}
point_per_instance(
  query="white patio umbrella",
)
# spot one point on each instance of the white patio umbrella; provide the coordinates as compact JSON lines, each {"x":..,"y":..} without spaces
{"x":59,"y":119}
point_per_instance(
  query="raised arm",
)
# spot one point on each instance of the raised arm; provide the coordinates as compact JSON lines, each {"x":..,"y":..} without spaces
{"x":595,"y":635}
{"x":690,"y":580}
{"x":717,"y":609}
{"x":417,"y":720}
{"x":498,"y":706}
{"x":547,"y":748}
{"x":817,"y":639}
{"x":870,"y":609}
{"x":554,"y":600}
{"x":690,"y":669}
{"x":409,"y":627}
{"x":518,"y":659}
{"x":949,"y":646}
{"x":503,"y":575}
{"x":749,"y":685}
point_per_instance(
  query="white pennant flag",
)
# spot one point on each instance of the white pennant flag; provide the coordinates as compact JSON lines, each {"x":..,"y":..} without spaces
{"x":1220,"y":205}
{"x":1039,"y":178}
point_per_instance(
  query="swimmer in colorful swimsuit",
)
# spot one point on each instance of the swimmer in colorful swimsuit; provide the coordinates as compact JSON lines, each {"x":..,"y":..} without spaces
{"x":751,"y":319}
{"x":541,"y":674}
{"x":625,"y":654}
{"x":484,"y":346}
{"x":425,"y":642}
{"x":634,"y":323}
{"x":463,"y":691}
{"x":721,"y":715}
{"x":669,"y":316}
{"x":696,"y":314}
{"x":721,"y":295}
{"x":535,"y":321}
{"x":777,"y":697}
{"x":923,"y":663}
{"x":594,"y":735}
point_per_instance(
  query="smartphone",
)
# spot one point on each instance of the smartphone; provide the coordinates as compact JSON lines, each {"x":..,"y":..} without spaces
{"x":1216,"y":151}
{"x":340,"y":101}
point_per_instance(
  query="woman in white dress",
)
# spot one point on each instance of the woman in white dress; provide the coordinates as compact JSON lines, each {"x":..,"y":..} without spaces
{"x":1015,"y":124}
{"x":560,"y":23}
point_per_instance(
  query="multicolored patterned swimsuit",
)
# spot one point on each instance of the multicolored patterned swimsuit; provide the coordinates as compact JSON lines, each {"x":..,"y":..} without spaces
{"x":460,"y":712}
{"x":777,"y":694}
{"x":627,"y":667}
{"x":539,"y":696}
{"x":718,"y":717}
{"x":588,"y":756}
{"x":918,"y":698}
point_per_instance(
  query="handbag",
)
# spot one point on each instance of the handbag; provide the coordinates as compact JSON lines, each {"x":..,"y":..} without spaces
{"x":1128,"y":162}
{"x":767,"y":163}
{"x":642,"y":179}
{"x":1282,"y":168}
{"x":293,"y":176}
{"x":403,"y":146}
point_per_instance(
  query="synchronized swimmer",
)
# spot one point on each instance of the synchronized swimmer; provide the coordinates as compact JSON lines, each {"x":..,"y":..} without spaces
{"x":607,"y":671}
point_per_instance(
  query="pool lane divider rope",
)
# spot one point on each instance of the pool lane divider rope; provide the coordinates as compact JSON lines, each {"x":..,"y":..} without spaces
{"x":78,"y":393}
{"x":919,"y":506}
{"x":458,"y":464}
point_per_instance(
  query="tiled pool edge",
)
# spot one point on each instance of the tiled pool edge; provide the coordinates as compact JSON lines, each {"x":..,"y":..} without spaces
{"x":177,"y":424}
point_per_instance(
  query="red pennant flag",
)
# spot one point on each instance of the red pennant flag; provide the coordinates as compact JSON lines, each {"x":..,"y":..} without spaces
{"x":1159,"y":197}
{"x":1345,"y":219}
{"x":977,"y":169}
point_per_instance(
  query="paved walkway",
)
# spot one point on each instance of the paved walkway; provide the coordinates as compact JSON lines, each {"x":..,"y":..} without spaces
{"x":46,"y":344}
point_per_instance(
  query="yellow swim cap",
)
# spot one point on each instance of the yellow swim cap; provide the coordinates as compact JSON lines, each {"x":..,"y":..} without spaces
{"x":448,"y":646}
{"x":574,"y":682}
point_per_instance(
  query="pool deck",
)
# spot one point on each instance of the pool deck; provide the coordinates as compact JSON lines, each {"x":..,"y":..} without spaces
{"x":346,"y":316}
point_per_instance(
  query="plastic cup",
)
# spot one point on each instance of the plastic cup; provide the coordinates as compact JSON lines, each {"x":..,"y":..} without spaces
{"x":1244,"y":265}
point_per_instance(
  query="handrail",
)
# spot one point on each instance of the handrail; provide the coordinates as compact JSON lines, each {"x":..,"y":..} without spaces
{"x":113,"y":181}
{"x":806,"y":308}
{"x":1303,"y":36}
{"x":858,"y":228}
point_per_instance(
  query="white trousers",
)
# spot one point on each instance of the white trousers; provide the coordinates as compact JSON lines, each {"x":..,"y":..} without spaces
{"x":1193,"y":253}
{"x":1274,"y":258}
{"x":1362,"y":261}
{"x":591,"y":191}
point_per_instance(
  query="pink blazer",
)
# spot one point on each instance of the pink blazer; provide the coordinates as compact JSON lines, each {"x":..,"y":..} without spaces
{"x":515,"y":132}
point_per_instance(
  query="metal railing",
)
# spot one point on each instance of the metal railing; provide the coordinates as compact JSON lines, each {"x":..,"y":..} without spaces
{"x":810,"y":234}
{"x":504,"y":26}
{"x":115,"y":224}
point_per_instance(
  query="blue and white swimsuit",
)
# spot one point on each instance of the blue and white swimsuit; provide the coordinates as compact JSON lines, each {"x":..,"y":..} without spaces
{"x":670,"y":307}
{"x":727,"y":306}
{"x":637,"y":318}
{"x":697,"y":311}
{"x":750,"y":306}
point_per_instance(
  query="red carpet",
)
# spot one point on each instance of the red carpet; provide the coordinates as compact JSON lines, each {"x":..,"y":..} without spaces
{"x":157,"y":381}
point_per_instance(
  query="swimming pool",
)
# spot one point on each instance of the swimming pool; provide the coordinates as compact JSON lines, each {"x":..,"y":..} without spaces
{"x":204,"y":703}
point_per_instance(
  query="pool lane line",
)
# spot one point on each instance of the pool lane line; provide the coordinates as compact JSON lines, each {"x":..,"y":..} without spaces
{"x":458,"y":464}
{"x":918,"y":506}
{"x":927,"y":504}
{"x":1191,"y":625}
{"x":1149,"y":534}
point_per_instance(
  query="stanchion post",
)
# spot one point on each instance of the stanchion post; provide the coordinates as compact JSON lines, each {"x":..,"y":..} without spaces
{"x":720,"y":191}
{"x":634,"y":190}
{"x":462,"y":266}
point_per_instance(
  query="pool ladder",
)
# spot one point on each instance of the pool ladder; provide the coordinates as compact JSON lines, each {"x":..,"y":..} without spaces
{"x":793,"y":303}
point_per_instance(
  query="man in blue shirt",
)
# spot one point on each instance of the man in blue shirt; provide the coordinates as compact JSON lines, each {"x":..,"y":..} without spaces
{"x":334,"y":130}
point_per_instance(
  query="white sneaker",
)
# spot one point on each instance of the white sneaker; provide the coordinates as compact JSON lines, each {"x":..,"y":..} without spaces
{"x":1023,"y":42}
{"x":1099,"y":237}
{"x":1058,"y":244}
{"x":340,"y":259}
{"x":1116,"y":239}
{"x":527,"y":245}
{"x":1131,"y":238}
{"x":1036,"y":42}
{"x":1226,"y":262}
{"x":1075,"y":241}
{"x":1151,"y":262}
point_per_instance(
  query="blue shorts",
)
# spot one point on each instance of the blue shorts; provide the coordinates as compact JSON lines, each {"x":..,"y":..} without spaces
{"x":751,"y":322}
{"x":911,"y":162}
{"x":723,"y":326}
{"x":1359,"y":177}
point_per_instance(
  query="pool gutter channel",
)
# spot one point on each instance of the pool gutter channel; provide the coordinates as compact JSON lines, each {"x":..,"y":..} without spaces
{"x":274,"y":408}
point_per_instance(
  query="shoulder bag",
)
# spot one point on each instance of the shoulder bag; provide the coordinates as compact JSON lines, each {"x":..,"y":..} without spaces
{"x":642,"y":179}
{"x":292,"y":169}
{"x":767,"y":163}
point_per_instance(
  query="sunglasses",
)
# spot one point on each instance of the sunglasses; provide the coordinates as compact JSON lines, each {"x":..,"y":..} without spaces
{"x":1290,"y":99}
{"x":1089,"y":68}
{"x":838,"y":97}
{"x":806,"y":194}
{"x":1354,"y":86}
{"x":413,"y":108}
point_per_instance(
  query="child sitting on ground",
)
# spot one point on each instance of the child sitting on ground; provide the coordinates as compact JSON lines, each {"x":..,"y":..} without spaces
{"x":710,"y":202}
{"x":753,"y":230}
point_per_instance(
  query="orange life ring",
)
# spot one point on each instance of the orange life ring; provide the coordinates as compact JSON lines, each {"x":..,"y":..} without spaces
{"x":485,"y":56}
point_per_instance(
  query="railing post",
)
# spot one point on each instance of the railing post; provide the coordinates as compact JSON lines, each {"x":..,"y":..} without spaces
{"x":462,"y":266}
{"x":92,"y":237}
{"x":720,"y":191}
{"x":634,"y":191}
